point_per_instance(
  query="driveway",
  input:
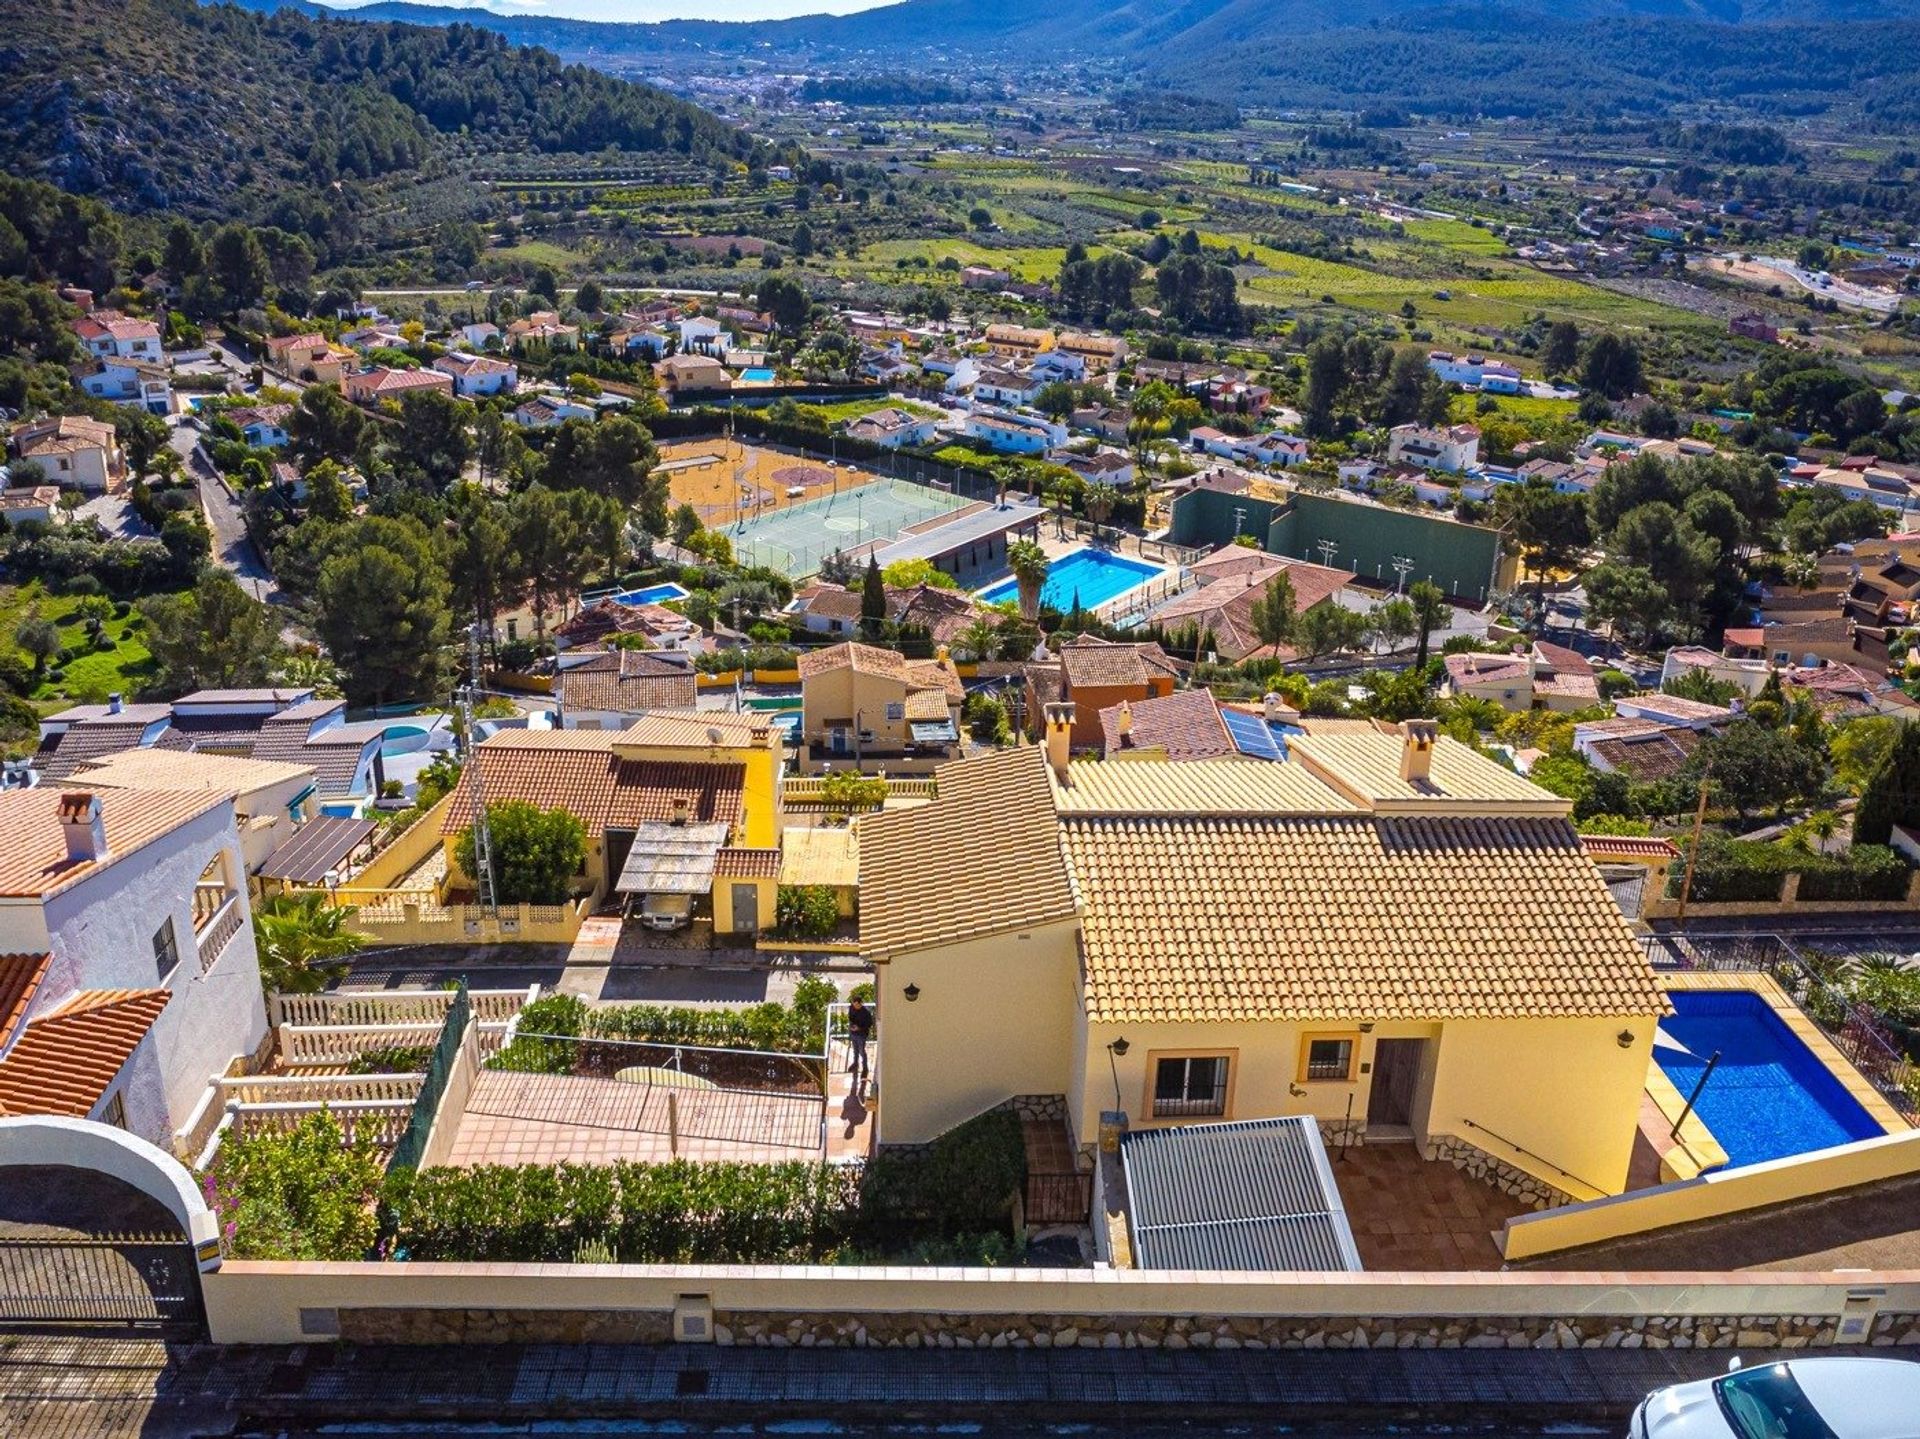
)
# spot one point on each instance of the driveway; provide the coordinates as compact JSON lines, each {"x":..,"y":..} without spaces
{"x":233,"y":548}
{"x":115,"y":514}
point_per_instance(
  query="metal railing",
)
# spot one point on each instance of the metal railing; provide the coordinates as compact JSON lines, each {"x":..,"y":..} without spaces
{"x":1861,"y":1035}
{"x":1058,"y":1198}
{"x":100,"y":1280}
{"x":412,"y":1145}
{"x":1593,"y":1191}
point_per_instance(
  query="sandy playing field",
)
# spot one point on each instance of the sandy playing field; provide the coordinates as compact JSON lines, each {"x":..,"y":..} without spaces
{"x":726,"y":479}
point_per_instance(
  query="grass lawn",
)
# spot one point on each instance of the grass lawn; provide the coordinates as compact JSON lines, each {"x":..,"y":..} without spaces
{"x":841,"y":411}
{"x":1519,"y":407}
{"x":538,"y":252}
{"x":93,"y":674}
{"x":1026,"y":262}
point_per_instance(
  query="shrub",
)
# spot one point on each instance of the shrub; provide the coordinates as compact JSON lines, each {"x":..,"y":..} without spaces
{"x":806,"y":911}
{"x":844,"y":789}
{"x":304,"y":1194}
{"x":964,"y":1181}
{"x":404,"y":1059}
{"x":795,"y":1028}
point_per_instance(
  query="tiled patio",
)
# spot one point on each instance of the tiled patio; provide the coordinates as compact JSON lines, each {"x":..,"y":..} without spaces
{"x":1408,"y":1213}
{"x":550,"y":1119}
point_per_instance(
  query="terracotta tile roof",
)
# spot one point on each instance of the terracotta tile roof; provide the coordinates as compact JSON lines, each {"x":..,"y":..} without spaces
{"x":1226,"y":605}
{"x":926,"y":705}
{"x":600,"y":620}
{"x":65,"y":1059}
{"x":833,"y":602}
{"x":1185,"y":725}
{"x":820,"y":856}
{"x":33,"y":847}
{"x":578,"y":770}
{"x":20,"y":977}
{"x":1474,"y":668}
{"x":994,"y":823}
{"x":1366,"y":768}
{"x":747,"y":864}
{"x":1349,"y":918}
{"x":1629,"y":846}
{"x":1679,"y":707}
{"x":692,"y":729}
{"x":147,"y":769}
{"x":1208,"y":787}
{"x":1649,"y":755}
{"x":630,"y":682}
{"x":1102,"y":664}
{"x":887,"y":664}
{"x":61,"y":754}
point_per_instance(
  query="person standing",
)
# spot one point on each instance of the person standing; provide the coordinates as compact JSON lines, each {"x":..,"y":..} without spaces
{"x":859,"y":1031}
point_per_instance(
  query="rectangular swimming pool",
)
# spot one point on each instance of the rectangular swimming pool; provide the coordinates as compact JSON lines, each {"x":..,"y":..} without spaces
{"x":1093,"y":576}
{"x":1770,"y":1096}
{"x":758,"y":376}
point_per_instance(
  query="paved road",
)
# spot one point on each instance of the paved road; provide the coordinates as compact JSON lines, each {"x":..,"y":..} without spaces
{"x":232,"y":547}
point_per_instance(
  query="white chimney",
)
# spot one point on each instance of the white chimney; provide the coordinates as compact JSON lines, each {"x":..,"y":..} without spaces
{"x":682,"y":809}
{"x":1125,"y":720}
{"x":1416,"y":753}
{"x":1059,"y":717}
{"x":85,"y":831}
{"x":114,"y":705}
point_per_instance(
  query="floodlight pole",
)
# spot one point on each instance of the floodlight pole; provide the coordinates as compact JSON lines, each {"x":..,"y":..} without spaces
{"x":482,"y":833}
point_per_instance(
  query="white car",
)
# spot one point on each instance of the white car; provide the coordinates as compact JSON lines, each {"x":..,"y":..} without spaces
{"x":1789,"y":1399}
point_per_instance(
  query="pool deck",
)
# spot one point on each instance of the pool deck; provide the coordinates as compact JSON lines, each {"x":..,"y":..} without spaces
{"x":1804,"y":1029}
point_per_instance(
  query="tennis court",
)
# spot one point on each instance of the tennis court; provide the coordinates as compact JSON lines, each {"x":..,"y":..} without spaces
{"x":796,"y":539}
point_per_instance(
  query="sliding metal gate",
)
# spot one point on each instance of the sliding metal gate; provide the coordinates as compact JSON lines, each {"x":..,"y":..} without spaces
{"x":147,"y":1281}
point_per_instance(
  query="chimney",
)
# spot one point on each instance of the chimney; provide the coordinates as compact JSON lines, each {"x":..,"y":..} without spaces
{"x":85,"y":831}
{"x":682,"y":809}
{"x":1276,"y":710}
{"x":1059,"y":716}
{"x":114,"y":705}
{"x":1416,"y":754}
{"x":1126,"y":723}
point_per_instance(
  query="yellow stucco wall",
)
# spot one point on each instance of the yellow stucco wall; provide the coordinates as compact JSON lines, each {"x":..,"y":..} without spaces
{"x":723,"y":902}
{"x":843,"y":694}
{"x":996,"y":1017}
{"x":1561,"y":1087}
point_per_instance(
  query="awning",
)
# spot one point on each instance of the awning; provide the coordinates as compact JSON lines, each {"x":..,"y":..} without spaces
{"x":315,"y":848}
{"x":932,"y":731}
{"x":672,"y":859}
{"x":1253,"y":1195}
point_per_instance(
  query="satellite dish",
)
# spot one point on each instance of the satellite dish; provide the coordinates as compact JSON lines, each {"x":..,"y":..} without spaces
{"x":713,"y":734}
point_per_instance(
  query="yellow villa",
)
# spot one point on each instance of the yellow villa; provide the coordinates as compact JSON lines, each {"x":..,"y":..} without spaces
{"x":1386,"y":932}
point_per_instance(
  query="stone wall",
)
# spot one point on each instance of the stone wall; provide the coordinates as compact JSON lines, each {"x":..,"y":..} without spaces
{"x":1337,"y":1134}
{"x":1507,"y":1178}
{"x":1015,"y":1331}
{"x":741,"y":1328}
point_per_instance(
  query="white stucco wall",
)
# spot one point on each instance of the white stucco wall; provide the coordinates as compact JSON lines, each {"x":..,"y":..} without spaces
{"x":101,"y":937}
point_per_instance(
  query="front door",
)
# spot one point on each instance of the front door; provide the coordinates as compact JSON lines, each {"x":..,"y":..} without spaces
{"x":746,"y":908}
{"x":1396,"y":1074}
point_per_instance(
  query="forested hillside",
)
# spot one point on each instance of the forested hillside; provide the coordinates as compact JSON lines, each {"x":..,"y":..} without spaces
{"x":168,"y":104}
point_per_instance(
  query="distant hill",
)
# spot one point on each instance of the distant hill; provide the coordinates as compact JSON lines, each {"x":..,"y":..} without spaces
{"x":1498,"y":56}
{"x":168,"y":104}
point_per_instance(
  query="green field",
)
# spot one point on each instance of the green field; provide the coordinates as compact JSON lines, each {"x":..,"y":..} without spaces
{"x":92,"y":674}
{"x":1520,"y":407}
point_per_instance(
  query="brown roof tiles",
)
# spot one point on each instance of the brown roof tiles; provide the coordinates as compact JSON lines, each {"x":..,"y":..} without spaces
{"x":65,"y":1059}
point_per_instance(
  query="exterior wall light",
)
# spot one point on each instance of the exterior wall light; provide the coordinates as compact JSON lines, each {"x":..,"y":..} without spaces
{"x":912,"y":992}
{"x":1120,"y":1047}
{"x":1624,"y":1039}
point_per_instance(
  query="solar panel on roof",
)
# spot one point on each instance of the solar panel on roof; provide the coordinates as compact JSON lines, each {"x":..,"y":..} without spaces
{"x":1252,"y":735}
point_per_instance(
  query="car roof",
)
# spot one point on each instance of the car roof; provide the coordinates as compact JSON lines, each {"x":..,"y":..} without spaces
{"x":1863,"y":1398}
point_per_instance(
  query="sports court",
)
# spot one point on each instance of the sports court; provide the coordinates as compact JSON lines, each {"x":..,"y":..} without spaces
{"x":727,"y":481}
{"x":796,"y":539}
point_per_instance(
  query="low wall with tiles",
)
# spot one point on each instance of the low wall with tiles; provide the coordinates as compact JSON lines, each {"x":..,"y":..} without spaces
{"x":781,"y":1306}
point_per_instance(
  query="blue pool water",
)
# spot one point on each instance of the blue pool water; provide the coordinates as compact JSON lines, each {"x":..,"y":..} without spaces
{"x":1093,"y":575}
{"x":1770,"y":1096}
{"x":401,"y":739}
{"x":652,"y":595}
{"x":758,"y":376}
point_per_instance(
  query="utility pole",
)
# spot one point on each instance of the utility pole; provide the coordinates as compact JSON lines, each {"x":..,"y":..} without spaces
{"x":1402,"y":567}
{"x":1693,"y":850}
{"x":1328,"y":549}
{"x":482,"y":834}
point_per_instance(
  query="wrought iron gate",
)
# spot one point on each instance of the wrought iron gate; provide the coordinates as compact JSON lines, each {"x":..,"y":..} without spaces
{"x":144,"y":1281}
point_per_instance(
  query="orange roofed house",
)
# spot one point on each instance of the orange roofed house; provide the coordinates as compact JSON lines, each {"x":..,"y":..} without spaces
{"x":1096,"y":674}
{"x":867,"y":708}
{"x":128,"y":977}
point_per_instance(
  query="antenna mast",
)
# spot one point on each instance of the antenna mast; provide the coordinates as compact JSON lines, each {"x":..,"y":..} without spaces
{"x":482,"y":833}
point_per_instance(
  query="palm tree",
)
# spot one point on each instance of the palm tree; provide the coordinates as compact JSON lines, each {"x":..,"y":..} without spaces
{"x":979,"y":639}
{"x":1029,"y":565}
{"x":304,"y":669}
{"x":303,"y":941}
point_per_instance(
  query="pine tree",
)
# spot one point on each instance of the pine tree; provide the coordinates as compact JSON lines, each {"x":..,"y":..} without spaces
{"x":1892,"y":796}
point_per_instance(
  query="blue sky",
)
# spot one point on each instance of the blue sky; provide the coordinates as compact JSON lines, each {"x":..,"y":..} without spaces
{"x":644,"y":10}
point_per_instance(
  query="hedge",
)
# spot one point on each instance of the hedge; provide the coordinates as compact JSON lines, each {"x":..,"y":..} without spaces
{"x":563,"y":1019}
{"x":1751,"y":872}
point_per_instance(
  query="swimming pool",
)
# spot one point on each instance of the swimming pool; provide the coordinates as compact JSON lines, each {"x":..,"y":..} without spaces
{"x":1094,"y":576}
{"x":1770,"y":1096}
{"x":758,"y":376}
{"x":652,"y":595}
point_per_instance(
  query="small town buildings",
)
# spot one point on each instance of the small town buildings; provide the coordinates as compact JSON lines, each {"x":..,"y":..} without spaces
{"x":110,"y":335}
{"x":1643,"y":749}
{"x":1017,"y":342}
{"x":543,"y":412}
{"x":1548,"y":676}
{"x":1183,"y":726}
{"x":478,"y":336}
{"x":370,"y":387}
{"x":310,"y":358}
{"x":1232,"y":580}
{"x":262,"y":426}
{"x":543,"y":327}
{"x":73,"y":452}
{"x":969,"y":543}
{"x":1004,"y":387}
{"x":1057,"y":364}
{"x":38,"y":505}
{"x":983,"y":277}
{"x":613,"y":689}
{"x":1102,"y":467}
{"x":869,"y":708}
{"x":126,"y":955}
{"x":1454,"y":449}
{"x":478,"y":374}
{"x":1015,"y":434}
{"x":368,"y":338}
{"x":828,"y":609}
{"x":1386,"y":932}
{"x":703,"y":785}
{"x":1095,"y":674}
{"x":1100,"y":354}
{"x":271,"y":799}
{"x":688,"y":374}
{"x":131,"y":382}
{"x":1753,"y":325}
{"x":893,"y":428}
